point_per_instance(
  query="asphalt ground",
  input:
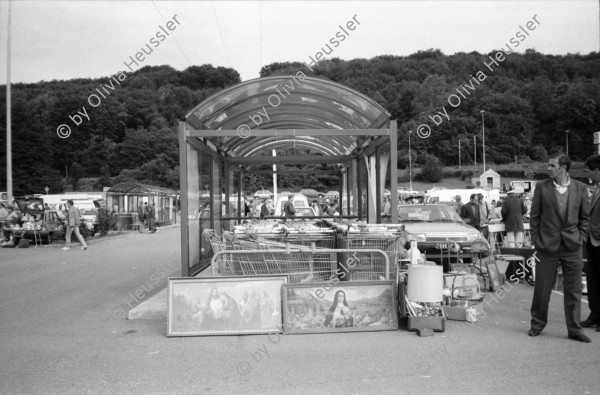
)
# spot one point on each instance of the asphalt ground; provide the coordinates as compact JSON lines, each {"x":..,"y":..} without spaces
{"x":63,"y":331}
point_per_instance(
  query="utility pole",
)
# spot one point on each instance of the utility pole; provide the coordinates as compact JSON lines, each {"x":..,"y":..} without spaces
{"x":9,"y":181}
{"x":409,"y":162}
{"x":459,"y":163}
{"x":483,"y":131}
{"x":475,"y":149}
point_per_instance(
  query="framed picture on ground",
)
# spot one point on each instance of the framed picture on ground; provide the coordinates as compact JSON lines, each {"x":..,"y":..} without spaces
{"x":492,"y":270}
{"x":340,"y":307}
{"x":224,"y":305}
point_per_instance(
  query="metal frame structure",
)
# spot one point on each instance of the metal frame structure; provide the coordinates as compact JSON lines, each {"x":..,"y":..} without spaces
{"x":217,"y":144}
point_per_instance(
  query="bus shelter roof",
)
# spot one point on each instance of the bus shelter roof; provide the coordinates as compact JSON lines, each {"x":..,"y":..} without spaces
{"x":271,"y":113}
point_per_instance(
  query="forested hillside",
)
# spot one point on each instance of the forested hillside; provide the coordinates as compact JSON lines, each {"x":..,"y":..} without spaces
{"x":530,"y":100}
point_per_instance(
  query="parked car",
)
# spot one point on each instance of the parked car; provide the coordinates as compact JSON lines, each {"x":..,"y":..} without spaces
{"x":407,"y":191}
{"x":300,"y":201}
{"x":437,"y":229}
{"x":311,"y":193}
{"x":49,"y":224}
{"x":263,"y":194}
{"x":305,"y":212}
{"x":90,"y":219}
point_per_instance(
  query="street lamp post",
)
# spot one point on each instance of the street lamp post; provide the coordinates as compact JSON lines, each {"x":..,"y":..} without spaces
{"x":459,"y":163}
{"x":483,"y":131}
{"x":567,"y":140}
{"x":409,"y":162}
{"x":475,"y":149}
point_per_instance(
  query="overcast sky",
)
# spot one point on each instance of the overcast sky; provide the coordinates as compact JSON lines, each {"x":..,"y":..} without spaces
{"x":78,"y":39}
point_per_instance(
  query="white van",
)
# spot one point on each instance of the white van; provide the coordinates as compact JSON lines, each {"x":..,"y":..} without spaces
{"x":449,"y":195}
{"x":300,"y":201}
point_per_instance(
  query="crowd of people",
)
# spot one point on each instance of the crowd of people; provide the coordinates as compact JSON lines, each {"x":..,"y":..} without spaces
{"x":146,"y":214}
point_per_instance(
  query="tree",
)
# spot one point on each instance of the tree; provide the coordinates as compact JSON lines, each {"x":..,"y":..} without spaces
{"x":75,"y":174}
{"x":432,"y":171}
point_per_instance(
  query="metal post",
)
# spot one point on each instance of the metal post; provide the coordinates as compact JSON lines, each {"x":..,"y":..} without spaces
{"x":475,"y":149}
{"x":459,"y":162}
{"x":9,"y":181}
{"x":567,"y":139}
{"x":483,"y":131}
{"x":409,"y":162}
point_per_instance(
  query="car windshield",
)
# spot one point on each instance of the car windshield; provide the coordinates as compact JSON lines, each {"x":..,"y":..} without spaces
{"x":428,"y":213}
{"x":88,"y":211}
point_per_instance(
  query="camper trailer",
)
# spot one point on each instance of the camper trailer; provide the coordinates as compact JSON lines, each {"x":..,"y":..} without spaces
{"x":528,"y":186}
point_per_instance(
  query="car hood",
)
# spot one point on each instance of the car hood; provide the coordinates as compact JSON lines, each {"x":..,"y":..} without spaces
{"x":30,"y":205}
{"x":441,"y":231}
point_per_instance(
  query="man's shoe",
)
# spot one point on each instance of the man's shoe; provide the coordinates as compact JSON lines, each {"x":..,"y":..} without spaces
{"x":580,"y":338}
{"x":534,"y":332}
{"x":587,"y":323}
{"x":66,"y":248}
{"x":84,"y":248}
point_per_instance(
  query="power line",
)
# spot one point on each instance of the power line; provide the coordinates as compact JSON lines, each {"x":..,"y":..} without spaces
{"x":174,"y":38}
{"x":220,"y":32}
{"x":260,"y":33}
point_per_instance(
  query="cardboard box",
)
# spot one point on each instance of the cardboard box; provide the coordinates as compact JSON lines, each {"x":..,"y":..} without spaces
{"x":436,"y":324}
{"x":464,"y":313}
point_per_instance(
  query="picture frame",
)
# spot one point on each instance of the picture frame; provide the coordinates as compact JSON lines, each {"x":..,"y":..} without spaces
{"x":209,"y":306}
{"x":361,"y":306}
{"x":492,"y":270}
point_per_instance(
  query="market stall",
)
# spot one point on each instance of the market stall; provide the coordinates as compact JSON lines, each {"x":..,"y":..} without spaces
{"x":124,"y":198}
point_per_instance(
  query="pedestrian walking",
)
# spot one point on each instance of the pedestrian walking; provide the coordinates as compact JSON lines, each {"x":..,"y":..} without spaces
{"x":150,"y":216}
{"x":513,"y":210}
{"x":592,"y":266}
{"x":73,"y":226}
{"x":559,"y":228}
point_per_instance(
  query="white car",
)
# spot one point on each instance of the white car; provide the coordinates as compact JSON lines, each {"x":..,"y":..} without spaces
{"x":407,"y":191}
{"x":263,"y":194}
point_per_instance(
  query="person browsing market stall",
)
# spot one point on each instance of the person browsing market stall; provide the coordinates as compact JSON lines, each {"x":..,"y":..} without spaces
{"x":288,"y":207}
{"x":513,"y":210}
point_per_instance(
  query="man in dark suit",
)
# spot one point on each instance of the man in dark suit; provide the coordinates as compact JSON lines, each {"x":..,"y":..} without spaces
{"x":470,"y":212}
{"x":592,"y":267}
{"x":150,"y":216}
{"x":288,"y":207}
{"x":559,"y":229}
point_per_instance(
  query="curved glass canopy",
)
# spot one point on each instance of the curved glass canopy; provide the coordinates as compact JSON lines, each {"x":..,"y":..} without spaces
{"x":287,"y":102}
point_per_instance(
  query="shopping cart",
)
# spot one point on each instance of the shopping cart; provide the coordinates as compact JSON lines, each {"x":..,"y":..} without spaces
{"x":301,"y":264}
{"x":391,"y":241}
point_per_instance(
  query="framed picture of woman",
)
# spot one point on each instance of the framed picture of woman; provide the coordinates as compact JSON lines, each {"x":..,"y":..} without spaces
{"x":340,"y":307}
